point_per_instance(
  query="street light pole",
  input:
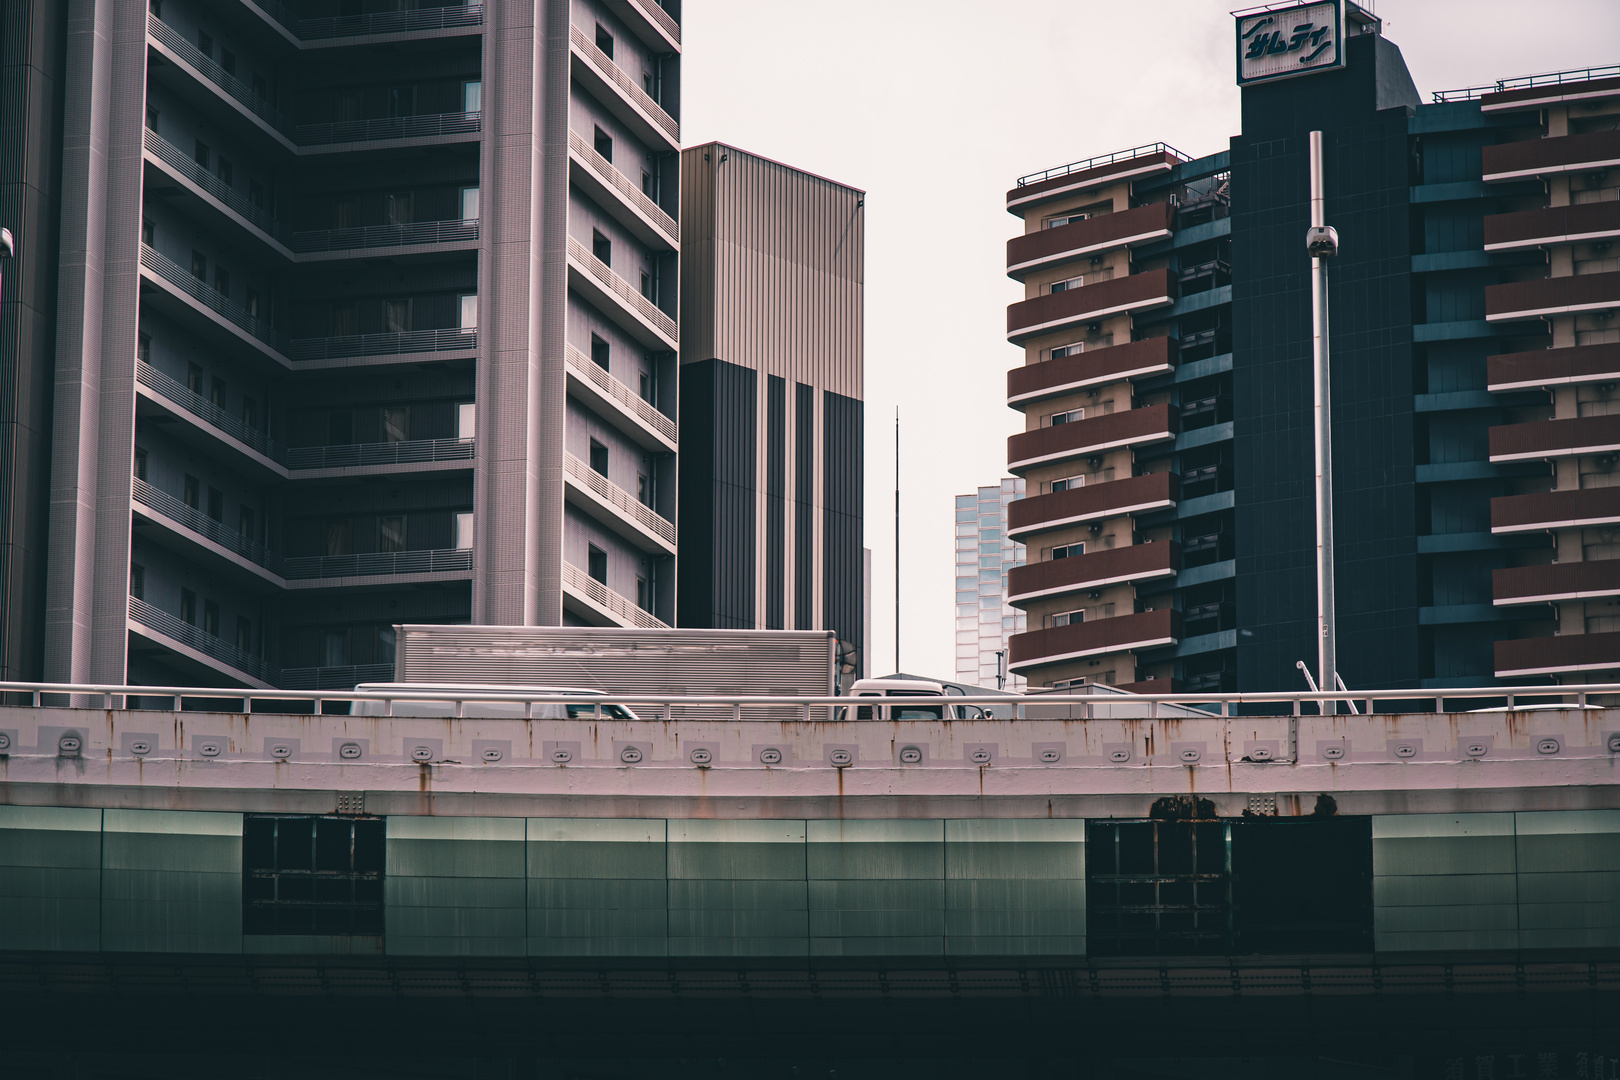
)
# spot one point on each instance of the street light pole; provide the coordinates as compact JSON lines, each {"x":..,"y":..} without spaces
{"x":1322,"y":242}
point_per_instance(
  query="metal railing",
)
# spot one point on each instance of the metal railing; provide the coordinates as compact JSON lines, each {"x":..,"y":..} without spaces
{"x":187,"y":166}
{"x":345,"y":677}
{"x":655,"y":12}
{"x":620,"y":499}
{"x":620,"y":288}
{"x":176,"y":628}
{"x":604,"y":597}
{"x":628,"y":400}
{"x":391,"y":22}
{"x":1103,"y":159}
{"x":372,"y":236}
{"x":199,"y":406}
{"x":626,"y":85}
{"x":405,"y":452}
{"x":241,"y":92}
{"x":194,"y":520}
{"x":389,"y":127}
{"x":172,"y":273}
{"x":449,"y":339}
{"x":377,"y":563}
{"x":1526,"y":82}
{"x":620,"y":183}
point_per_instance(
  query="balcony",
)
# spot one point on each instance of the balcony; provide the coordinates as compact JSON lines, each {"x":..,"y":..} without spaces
{"x":621,"y":94}
{"x":227,"y":201}
{"x":1555,"y":438}
{"x":1560,"y":655}
{"x":1105,"y":232}
{"x":617,"y":508}
{"x":641,"y":420}
{"x":597,"y":282}
{"x":1059,"y":509}
{"x":1552,"y":225}
{"x":370,"y":459}
{"x":1094,"y":367}
{"x":598,"y":178}
{"x":1149,"y":160}
{"x":1539,"y":91}
{"x":1554,"y":367}
{"x":596,"y":602}
{"x":1552,"y":296}
{"x":1091,"y":436}
{"x":174,"y":397}
{"x":1123,"y":633}
{"x":1591,"y":152}
{"x":1555,"y":510}
{"x":430,"y":129}
{"x":206,"y":650}
{"x":391,"y":22}
{"x":205,"y":536}
{"x":1555,"y":581}
{"x":1093,"y":570}
{"x":219,"y":313}
{"x":325,"y":571}
{"x":172,"y":46}
{"x":384,"y":348}
{"x":320,"y":245}
{"x":1072,"y":307}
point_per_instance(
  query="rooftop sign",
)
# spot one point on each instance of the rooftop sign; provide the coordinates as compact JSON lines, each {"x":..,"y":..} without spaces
{"x":1289,"y":41}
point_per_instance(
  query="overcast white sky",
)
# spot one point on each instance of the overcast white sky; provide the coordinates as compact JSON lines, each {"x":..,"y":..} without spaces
{"x":935,"y":108}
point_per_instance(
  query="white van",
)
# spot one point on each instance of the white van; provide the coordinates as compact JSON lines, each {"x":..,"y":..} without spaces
{"x":584,"y":709}
{"x":893,"y":690}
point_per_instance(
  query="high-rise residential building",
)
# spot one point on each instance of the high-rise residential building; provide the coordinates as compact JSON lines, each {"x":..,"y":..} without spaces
{"x":1167,"y":383}
{"x":362,"y":319}
{"x":985,"y":556}
{"x":771,"y":466}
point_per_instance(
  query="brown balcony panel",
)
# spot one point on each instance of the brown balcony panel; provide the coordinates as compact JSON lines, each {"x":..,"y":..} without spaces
{"x":1056,"y":644}
{"x":1550,"y":296}
{"x":1555,"y":438}
{"x":1554,"y":367}
{"x":1054,"y":378}
{"x":1093,"y":435}
{"x":1536,"y":97}
{"x":1048,"y":247}
{"x":1058,"y":186}
{"x":1555,"y":581}
{"x":1059,"y":509}
{"x":1552,"y":225}
{"x":1554,"y":510}
{"x":1054,"y":311}
{"x":1093,"y":570}
{"x":1151,"y":686}
{"x":1566,"y":653}
{"x":1591,"y":152}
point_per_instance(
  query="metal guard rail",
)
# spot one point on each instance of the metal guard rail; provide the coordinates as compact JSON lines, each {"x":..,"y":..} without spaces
{"x":1103,"y":159}
{"x":376,"y":563}
{"x":626,"y":85}
{"x":655,"y":11}
{"x":621,"y":183}
{"x":205,"y":294}
{"x":171,"y":39}
{"x":392,"y":22}
{"x":620,"y":499}
{"x":453,"y":231}
{"x":176,"y":159}
{"x":1526,"y":82}
{"x":405,"y":452}
{"x":172,"y":626}
{"x":196,"y":521}
{"x":620,"y":288}
{"x":449,"y":339}
{"x":390,"y":127}
{"x":628,"y":399}
{"x":201,"y":407}
{"x":599,"y":594}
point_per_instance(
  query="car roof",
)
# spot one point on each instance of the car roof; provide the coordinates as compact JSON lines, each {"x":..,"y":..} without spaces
{"x":920,"y":687}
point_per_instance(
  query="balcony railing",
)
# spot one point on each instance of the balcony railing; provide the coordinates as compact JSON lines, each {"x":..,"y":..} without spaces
{"x":1581,"y":222}
{"x":201,"y":407}
{"x":1094,"y":367}
{"x":345,"y":677}
{"x":200,"y":523}
{"x":621,"y":500}
{"x":175,"y":42}
{"x":1537,"y":511}
{"x":1059,"y":509}
{"x":1554,"y":367}
{"x":378,"y":563}
{"x":599,"y":594}
{"x":1048,"y":247}
{"x":450,"y":339}
{"x":1555,"y":581}
{"x":390,"y":127}
{"x":1571,"y":437}
{"x":1092,"y":570}
{"x":200,"y":291}
{"x":620,"y":288}
{"x":406,"y":452}
{"x":391,"y":22}
{"x":1553,"y":296}
{"x":628,"y":400}
{"x":1591,"y":151}
{"x":1056,"y":644}
{"x":177,"y":629}
{"x":206,"y":179}
{"x":625,"y":84}
{"x":1551,"y":655}
{"x":1054,"y":311}
{"x":621,"y":184}
{"x":373,"y":236}
{"x":654,"y":11}
{"x":1091,"y":436}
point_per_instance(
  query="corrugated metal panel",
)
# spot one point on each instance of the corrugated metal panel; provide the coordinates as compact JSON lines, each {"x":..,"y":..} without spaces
{"x":1444,"y":882}
{"x":597,"y":887}
{"x":718,"y":486}
{"x":455,"y":887}
{"x":171,"y":881}
{"x":50,"y":878}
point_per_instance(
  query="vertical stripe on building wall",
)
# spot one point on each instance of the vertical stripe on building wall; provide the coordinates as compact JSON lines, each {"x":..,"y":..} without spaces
{"x":842,"y":535}
{"x":718,"y":484}
{"x":804,"y":486}
{"x":775,"y":500}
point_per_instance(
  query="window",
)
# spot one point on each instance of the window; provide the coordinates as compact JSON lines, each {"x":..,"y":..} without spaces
{"x":647,"y":285}
{"x":335,"y":648}
{"x":143,"y":348}
{"x":312,"y":874}
{"x":599,"y":458}
{"x":202,"y":154}
{"x":148,"y":232}
{"x":216,"y":504}
{"x":244,"y":521}
{"x":261,"y":88}
{"x":199,"y":266}
{"x":216,"y":392}
{"x":339,"y":537}
{"x":244,"y":633}
{"x":469,"y":204}
{"x":466,"y":420}
{"x":600,"y":352}
{"x":602,"y":247}
{"x":205,"y":43}
{"x":472,"y":96}
{"x":396,"y":423}
{"x":464,"y":530}
{"x":604,"y":41}
{"x":596,"y":560}
{"x":1066,"y":618}
{"x":226,"y":171}
{"x":345,"y":213}
{"x":385,"y":644}
{"x":643,"y":597}
{"x":211,"y":617}
{"x":647,"y":392}
{"x":191,"y":492}
{"x":647,"y":184}
{"x":194,"y":379}
{"x":1068,"y":551}
{"x":151,"y":120}
{"x":250,"y":413}
{"x":1067,"y":417}
{"x":1074,"y":348}
{"x":137,"y":581}
{"x":604,"y":144}
{"x":227,"y":60}
{"x":469,"y":311}
{"x":188,"y":607}
{"x":649,"y":85}
{"x":222,"y":281}
{"x":1066,"y":219}
{"x":391,"y":532}
{"x":644,"y":489}
{"x":1067,"y":284}
{"x":140,"y":464}
{"x":397,"y":315}
{"x":256,"y":193}
{"x":402,"y":101}
{"x":1068,"y":483}
{"x":345,"y":319}
{"x":397,"y":208}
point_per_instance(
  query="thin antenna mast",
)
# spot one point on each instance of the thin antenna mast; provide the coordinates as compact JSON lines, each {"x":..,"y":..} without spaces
{"x":897,"y":539}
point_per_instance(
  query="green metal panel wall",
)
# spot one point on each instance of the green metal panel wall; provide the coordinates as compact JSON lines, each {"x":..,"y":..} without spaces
{"x":737,"y":888}
{"x":597,"y":887}
{"x":50,"y":878}
{"x":1015,"y":888}
{"x":455,"y":886}
{"x":876,"y":888}
{"x":171,"y":881}
{"x":1444,"y":881}
{"x":1569,"y":879}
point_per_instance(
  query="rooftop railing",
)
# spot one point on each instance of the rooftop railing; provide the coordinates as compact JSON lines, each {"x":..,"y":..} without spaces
{"x":177,"y":629}
{"x":1103,"y":159}
{"x":1526,"y":82}
{"x":389,"y":127}
{"x":174,"y":274}
{"x":201,"y":407}
{"x":372,"y":236}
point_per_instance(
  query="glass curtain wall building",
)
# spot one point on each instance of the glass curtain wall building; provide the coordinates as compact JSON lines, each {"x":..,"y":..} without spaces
{"x":984,"y":555}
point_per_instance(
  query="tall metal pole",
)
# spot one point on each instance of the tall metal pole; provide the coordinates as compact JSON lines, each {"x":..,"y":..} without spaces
{"x":897,"y":539}
{"x":1322,"y":243}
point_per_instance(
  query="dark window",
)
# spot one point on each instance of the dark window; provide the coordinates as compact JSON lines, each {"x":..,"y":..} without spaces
{"x":137,"y":581}
{"x":600,"y":351}
{"x":216,"y":504}
{"x":151,"y":119}
{"x":604,"y":144}
{"x":148,"y":233}
{"x":340,"y":537}
{"x":644,"y":489}
{"x":216,"y":392}
{"x":647,"y":184}
{"x":252,"y":303}
{"x":598,"y":564}
{"x":244,"y":633}
{"x":140,"y":464}
{"x":643,"y":596}
{"x":398,"y":207}
{"x":191,"y":492}
{"x":602,"y":247}
{"x":604,"y":41}
{"x":226,"y":171}
{"x":256,"y":193}
{"x":647,"y":285}
{"x":202,"y":154}
{"x":340,"y":427}
{"x":391,"y":532}
{"x":194,"y":379}
{"x":155,"y":7}
{"x":599,"y":458}
{"x":188,"y":606}
{"x":211,"y":617}
{"x":261,"y":88}
{"x":227,"y":60}
{"x":205,"y":43}
{"x":402,"y":101}
{"x":250,"y":413}
{"x":199,"y":266}
{"x":335,"y":648}
{"x":312,"y":875}
{"x":222,"y":281}
{"x":244,"y":521}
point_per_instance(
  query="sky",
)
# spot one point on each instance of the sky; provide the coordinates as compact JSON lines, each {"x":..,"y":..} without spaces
{"x":935,"y":109}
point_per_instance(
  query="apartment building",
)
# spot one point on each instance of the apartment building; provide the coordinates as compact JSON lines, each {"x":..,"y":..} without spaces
{"x":985,"y":557}
{"x":772,"y":381}
{"x":364,"y":318}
